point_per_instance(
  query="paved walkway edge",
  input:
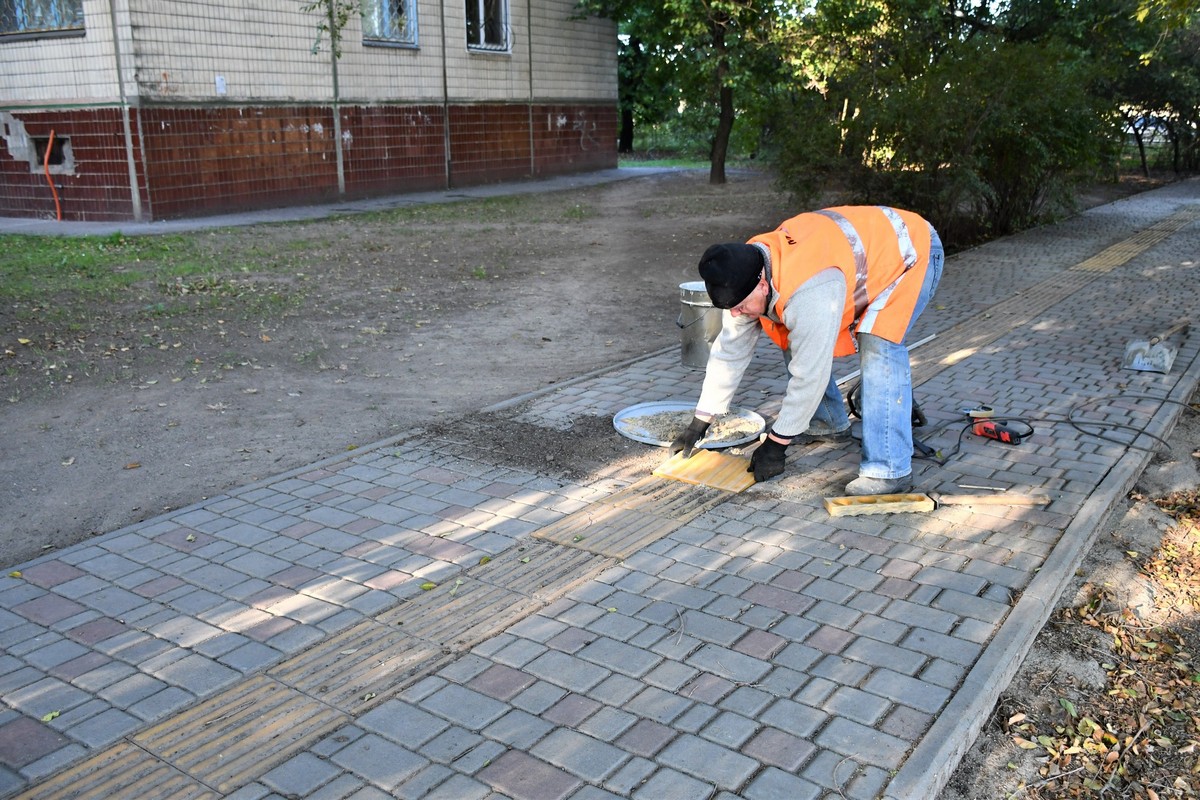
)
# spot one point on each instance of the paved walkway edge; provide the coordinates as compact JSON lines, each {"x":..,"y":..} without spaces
{"x":929,"y":767}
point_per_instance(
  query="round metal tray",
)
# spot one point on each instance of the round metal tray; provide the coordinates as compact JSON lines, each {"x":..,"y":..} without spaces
{"x":625,"y":423}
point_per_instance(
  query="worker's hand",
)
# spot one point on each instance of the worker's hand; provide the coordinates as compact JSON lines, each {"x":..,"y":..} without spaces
{"x":768,"y":459}
{"x":686,"y":442}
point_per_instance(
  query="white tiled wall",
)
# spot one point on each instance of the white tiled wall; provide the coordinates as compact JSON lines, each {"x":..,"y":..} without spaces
{"x":261,"y":50}
{"x":76,"y":69}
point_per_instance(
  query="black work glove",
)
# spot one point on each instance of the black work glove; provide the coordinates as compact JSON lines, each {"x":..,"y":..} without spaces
{"x":686,"y":442}
{"x":767,"y":461}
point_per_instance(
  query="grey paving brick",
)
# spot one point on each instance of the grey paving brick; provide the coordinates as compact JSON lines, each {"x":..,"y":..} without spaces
{"x":160,"y":704}
{"x":607,"y":723}
{"x":518,"y":729}
{"x":667,"y":784}
{"x":199,"y":675}
{"x":566,"y":671}
{"x":402,"y":723}
{"x":300,"y":775}
{"x":794,"y":718}
{"x":104,"y":728}
{"x":619,"y":657}
{"x":539,"y":697}
{"x":866,"y":745}
{"x":747,"y":701}
{"x":856,"y":705}
{"x":710,"y":762}
{"x":942,"y":646}
{"x":615,"y":690}
{"x":903,"y":689}
{"x":670,"y":675}
{"x":881,"y":654}
{"x":775,"y":784}
{"x":656,"y":704}
{"x":729,"y":730}
{"x":379,"y":761}
{"x":695,"y":718}
{"x":478,"y":757}
{"x":581,"y":755}
{"x":633,"y":774}
{"x":944,"y":673}
{"x":464,"y":707}
{"x":979,"y":608}
{"x":735,"y":666}
{"x":457,"y":787}
{"x":916,"y":614}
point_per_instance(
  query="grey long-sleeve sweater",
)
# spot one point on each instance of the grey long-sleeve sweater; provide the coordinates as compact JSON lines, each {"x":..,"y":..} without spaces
{"x":811,"y":315}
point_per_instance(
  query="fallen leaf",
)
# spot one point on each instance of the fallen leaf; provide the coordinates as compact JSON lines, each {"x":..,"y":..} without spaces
{"x":133,"y":465}
{"x":68,"y":461}
{"x":50,"y":716}
{"x":16,"y":573}
{"x":427,"y":585}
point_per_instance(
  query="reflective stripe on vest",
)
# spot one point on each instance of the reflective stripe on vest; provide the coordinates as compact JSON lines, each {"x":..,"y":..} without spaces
{"x":907,"y":252}
{"x":860,"y":262}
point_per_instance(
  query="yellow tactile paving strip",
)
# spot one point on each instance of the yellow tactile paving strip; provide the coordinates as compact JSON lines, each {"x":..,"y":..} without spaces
{"x":224,"y":741}
{"x":240,"y":734}
{"x":633,"y":518}
{"x":1112,"y":257}
{"x":708,"y":468}
{"x":122,"y":771}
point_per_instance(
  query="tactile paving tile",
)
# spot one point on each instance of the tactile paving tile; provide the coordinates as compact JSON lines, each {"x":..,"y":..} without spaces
{"x":1112,"y":257}
{"x":121,"y":771}
{"x":224,"y":741}
{"x":542,"y":570}
{"x":708,"y":468}
{"x":459,"y":613}
{"x":634,"y":517}
{"x":348,"y":670}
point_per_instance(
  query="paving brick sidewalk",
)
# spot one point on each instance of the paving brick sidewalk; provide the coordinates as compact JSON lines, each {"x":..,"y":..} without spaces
{"x":277,"y":641}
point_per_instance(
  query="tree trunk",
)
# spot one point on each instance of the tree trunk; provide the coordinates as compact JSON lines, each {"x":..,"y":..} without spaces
{"x":625,"y":136}
{"x":720,"y":147}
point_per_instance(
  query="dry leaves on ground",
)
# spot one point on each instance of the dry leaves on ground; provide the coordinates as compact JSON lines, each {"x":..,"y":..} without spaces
{"x":1140,"y":737}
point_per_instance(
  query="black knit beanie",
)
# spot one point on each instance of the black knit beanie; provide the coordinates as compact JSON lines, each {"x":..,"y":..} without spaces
{"x":730,"y":272}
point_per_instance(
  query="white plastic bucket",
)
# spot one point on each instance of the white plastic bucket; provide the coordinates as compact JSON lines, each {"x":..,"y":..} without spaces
{"x":699,"y":323}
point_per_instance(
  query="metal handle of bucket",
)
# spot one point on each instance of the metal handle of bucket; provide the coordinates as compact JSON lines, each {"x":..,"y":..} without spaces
{"x":681,"y":324}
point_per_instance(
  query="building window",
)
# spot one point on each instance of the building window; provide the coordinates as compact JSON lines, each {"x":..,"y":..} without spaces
{"x":487,"y":25}
{"x":39,"y":17}
{"x":390,"y":22}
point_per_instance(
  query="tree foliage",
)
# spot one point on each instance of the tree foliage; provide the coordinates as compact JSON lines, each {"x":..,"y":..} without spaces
{"x":980,"y":115}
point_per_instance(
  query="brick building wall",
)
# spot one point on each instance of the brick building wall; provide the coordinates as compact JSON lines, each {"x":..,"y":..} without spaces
{"x":198,"y":107}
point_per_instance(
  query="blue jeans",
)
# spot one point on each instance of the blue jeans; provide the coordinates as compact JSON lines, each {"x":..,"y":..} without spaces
{"x":885,"y":397}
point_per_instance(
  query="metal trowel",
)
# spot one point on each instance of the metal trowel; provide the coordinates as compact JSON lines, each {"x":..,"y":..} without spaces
{"x":1154,"y":355}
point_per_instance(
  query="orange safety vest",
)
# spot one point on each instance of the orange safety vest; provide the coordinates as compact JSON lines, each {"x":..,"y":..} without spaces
{"x":873,"y":246}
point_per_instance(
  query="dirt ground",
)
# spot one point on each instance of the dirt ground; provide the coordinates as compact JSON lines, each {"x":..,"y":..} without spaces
{"x":316,"y":338}
{"x":323,"y":336}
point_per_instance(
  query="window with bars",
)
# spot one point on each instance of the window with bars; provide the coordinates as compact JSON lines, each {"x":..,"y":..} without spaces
{"x":487,"y":25}
{"x":390,"y":22}
{"x":37,"y":17}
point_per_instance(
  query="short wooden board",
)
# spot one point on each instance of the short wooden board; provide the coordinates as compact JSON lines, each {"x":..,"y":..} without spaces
{"x":708,"y":468}
{"x":878,"y":504}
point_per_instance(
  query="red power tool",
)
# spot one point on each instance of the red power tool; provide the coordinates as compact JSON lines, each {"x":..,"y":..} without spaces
{"x":993,"y":429}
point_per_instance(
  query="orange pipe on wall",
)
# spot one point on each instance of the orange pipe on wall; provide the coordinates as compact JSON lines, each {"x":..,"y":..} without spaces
{"x":46,"y":167}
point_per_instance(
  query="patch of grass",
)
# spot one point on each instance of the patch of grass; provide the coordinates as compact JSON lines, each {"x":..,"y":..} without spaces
{"x":578,"y":212}
{"x":93,"y":266}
